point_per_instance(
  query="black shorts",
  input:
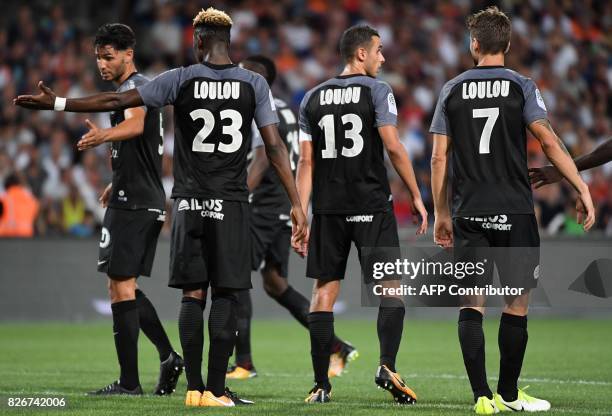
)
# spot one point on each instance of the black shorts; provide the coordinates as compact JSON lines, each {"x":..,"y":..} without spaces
{"x":270,"y":242}
{"x":128,"y":241}
{"x":513,"y":241}
{"x":331,"y":236}
{"x":210,"y":244}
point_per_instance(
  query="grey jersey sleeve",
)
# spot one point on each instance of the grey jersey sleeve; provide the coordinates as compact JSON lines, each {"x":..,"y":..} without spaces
{"x":134,"y":82}
{"x":161,"y":90}
{"x":534,"y":108}
{"x":384,"y":104}
{"x":265,"y":109}
{"x":256,"y":140}
{"x":439,"y":122}
{"x":305,"y":134}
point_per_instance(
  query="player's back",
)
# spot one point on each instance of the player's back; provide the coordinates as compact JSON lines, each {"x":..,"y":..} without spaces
{"x":214,"y":106}
{"x":485,"y":111}
{"x":137,"y":163}
{"x":341,"y":116}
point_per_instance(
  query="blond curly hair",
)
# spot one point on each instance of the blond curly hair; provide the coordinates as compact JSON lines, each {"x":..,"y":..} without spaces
{"x":212,"y":17}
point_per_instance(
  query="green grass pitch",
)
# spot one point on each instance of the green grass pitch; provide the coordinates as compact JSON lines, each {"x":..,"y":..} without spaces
{"x":568,"y":362}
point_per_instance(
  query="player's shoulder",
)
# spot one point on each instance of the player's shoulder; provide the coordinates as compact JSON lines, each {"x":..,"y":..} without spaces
{"x":453,"y":82}
{"x":135,"y":80}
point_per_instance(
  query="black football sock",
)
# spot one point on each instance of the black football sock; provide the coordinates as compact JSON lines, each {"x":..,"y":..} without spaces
{"x":125,"y":329}
{"x":512,"y":341}
{"x":244,"y":314}
{"x":471,"y":338}
{"x":222,"y":333}
{"x":321,"y":327}
{"x":151,"y":326}
{"x":191,"y":333}
{"x":389,"y":326}
{"x":299,"y":306}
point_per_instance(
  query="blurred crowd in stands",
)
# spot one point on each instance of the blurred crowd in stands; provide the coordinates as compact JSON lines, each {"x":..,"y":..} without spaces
{"x":564,"y":45}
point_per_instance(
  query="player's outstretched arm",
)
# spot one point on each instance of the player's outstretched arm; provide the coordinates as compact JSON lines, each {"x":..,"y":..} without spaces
{"x":546,"y":175}
{"x":556,"y":152}
{"x":108,"y":101}
{"x":403,"y":166}
{"x":443,"y":225}
{"x":279,"y":158}
{"x":131,"y":127}
{"x":257,"y":168}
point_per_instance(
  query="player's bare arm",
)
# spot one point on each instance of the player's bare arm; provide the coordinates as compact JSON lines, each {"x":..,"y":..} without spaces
{"x":403,"y":166}
{"x":303,"y":177}
{"x":546,"y":175}
{"x":556,"y":152}
{"x":443,"y":225}
{"x":107,"y":101}
{"x":257,"y":168}
{"x":279,"y":158}
{"x":303,"y":181}
{"x":131,"y":127}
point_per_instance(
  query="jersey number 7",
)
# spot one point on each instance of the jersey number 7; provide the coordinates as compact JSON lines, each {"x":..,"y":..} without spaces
{"x":491,"y":115}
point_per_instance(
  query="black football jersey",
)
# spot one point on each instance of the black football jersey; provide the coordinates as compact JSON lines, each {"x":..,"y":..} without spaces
{"x":341,"y":117}
{"x":485,"y":111}
{"x":214,"y":106}
{"x":137,"y":162}
{"x":270,"y":196}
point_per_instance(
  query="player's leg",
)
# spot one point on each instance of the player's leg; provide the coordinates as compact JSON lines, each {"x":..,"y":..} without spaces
{"x":191,"y":334}
{"x":151,"y":326}
{"x":321,"y":328}
{"x":243,"y":368}
{"x":518,"y":269}
{"x":469,"y":238}
{"x":188,"y":272}
{"x":171,"y":363}
{"x":380,"y":230}
{"x":121,"y":270}
{"x":222,"y":333}
{"x":225,"y":240}
{"x":328,"y":252}
{"x":125,"y":330}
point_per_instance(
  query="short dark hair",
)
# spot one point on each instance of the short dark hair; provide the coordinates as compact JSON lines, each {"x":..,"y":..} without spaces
{"x":492,"y":28}
{"x":267,"y":63}
{"x":355,"y":37}
{"x":212,"y":33}
{"x":118,"y":35}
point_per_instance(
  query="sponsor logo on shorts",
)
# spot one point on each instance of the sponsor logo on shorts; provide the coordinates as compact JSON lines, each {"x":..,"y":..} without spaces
{"x":209,"y":208}
{"x":105,"y":238}
{"x":183,"y":205}
{"x":360,"y":218}
{"x":496,"y":223}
